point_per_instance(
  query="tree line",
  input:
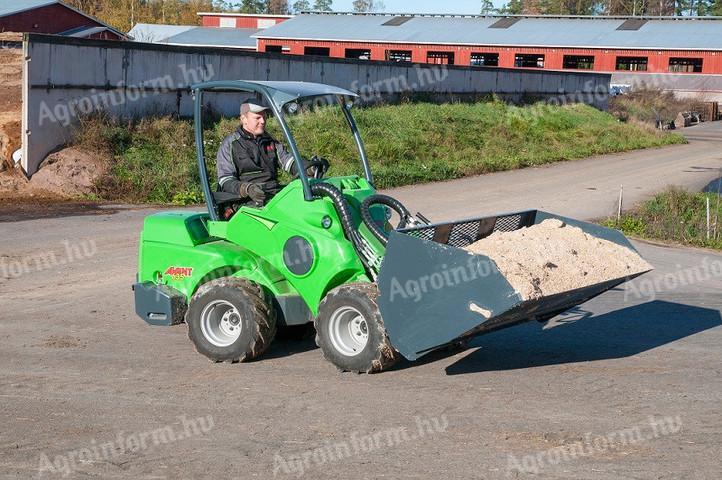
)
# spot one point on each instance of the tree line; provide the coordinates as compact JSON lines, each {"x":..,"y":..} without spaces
{"x":124,"y":14}
{"x":607,"y":7}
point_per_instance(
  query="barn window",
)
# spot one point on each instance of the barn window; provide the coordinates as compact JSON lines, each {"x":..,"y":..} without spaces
{"x":358,"y":53}
{"x":578,"y":62}
{"x":529,"y":60}
{"x":398,"y":55}
{"x":274,"y":49}
{"x":484,"y":59}
{"x":634,"y":64}
{"x":228,"y":22}
{"x":265,"y":23}
{"x":440,"y":58}
{"x":685,"y":65}
{"x":317,"y":51}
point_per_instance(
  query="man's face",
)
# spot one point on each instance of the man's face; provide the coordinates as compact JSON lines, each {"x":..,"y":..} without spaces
{"x":254,"y":123}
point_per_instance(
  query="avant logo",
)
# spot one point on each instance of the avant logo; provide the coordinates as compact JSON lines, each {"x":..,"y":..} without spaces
{"x":179,"y":273}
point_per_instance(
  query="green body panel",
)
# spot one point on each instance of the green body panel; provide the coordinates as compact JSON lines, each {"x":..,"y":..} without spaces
{"x":186,"y":249}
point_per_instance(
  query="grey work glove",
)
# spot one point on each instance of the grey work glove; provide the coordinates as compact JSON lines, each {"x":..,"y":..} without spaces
{"x":317,"y":167}
{"x":254,"y":191}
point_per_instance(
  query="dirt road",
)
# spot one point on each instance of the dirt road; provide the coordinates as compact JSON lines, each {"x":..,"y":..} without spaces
{"x":584,"y":188}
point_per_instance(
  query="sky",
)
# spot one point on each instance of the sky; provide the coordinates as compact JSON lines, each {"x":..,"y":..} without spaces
{"x":422,"y":6}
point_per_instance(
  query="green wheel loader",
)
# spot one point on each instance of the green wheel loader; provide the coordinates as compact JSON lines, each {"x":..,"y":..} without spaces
{"x":322,"y":251}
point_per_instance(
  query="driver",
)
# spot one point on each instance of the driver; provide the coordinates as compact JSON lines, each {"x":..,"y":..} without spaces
{"x":249,"y":158}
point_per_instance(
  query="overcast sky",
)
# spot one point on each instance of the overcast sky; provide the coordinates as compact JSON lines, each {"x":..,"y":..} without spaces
{"x":421,"y":6}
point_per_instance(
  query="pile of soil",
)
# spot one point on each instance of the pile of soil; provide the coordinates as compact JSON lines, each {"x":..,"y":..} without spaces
{"x":64,"y":174}
{"x":9,"y":139}
{"x":70,"y":171}
{"x":11,"y":75}
{"x":16,"y":189}
{"x":553,"y":257}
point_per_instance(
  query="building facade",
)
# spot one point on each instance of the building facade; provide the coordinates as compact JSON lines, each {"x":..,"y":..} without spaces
{"x":240,"y":20}
{"x":676,"y":45}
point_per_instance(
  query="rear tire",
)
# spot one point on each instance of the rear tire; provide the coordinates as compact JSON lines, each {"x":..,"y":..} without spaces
{"x":351,"y":332}
{"x":231,"y":320}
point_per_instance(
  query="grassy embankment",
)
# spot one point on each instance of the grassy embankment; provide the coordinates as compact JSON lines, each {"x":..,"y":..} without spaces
{"x":154,"y":160}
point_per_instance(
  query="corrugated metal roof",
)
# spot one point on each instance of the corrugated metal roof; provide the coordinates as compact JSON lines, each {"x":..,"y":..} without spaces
{"x":150,"y":32}
{"x":9,"y":7}
{"x":584,"y":32}
{"x":216,"y":37}
{"x":192,"y":35}
{"x":83,"y":32}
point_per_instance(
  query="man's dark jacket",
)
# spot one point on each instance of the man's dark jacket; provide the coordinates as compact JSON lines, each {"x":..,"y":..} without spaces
{"x":243,"y":157}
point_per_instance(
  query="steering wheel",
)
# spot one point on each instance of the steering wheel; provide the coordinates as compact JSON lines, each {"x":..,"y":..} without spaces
{"x":320,"y":167}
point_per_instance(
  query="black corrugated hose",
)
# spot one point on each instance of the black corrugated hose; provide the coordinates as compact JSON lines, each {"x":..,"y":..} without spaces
{"x":390,"y":202}
{"x":323,"y":189}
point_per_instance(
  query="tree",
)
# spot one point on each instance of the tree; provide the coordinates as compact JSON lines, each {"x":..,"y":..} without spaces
{"x":513,"y":7}
{"x":253,"y":6}
{"x":277,"y":7}
{"x":364,"y":6}
{"x":695,"y":7}
{"x":301,"y":6}
{"x":487,"y":7}
{"x":323,"y":5}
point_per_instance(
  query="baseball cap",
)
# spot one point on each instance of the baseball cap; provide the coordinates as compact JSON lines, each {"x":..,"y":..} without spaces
{"x":253,"y":105}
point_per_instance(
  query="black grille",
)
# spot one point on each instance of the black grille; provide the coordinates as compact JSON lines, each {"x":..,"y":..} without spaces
{"x":508,"y":223}
{"x":462,"y":234}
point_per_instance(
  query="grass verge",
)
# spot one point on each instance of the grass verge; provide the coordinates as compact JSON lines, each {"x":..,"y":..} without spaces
{"x":675,"y":215}
{"x":154,"y":159}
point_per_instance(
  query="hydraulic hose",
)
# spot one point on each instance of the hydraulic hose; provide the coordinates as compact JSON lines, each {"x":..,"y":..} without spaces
{"x":323,"y":189}
{"x":390,"y":202}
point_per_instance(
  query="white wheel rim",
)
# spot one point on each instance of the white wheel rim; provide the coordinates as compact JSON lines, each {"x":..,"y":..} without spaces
{"x":348,"y":331}
{"x":221,"y":323}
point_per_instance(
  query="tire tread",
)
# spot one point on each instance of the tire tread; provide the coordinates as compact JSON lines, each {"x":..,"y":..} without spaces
{"x":261,"y":302}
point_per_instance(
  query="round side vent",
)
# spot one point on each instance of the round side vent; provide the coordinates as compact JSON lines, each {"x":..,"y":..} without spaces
{"x":298,"y":255}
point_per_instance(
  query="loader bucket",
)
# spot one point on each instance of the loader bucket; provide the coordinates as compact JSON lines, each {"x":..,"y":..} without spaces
{"x":433,"y":293}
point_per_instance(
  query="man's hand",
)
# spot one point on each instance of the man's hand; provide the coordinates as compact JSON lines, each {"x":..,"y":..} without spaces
{"x":254,"y":191}
{"x":317,"y":167}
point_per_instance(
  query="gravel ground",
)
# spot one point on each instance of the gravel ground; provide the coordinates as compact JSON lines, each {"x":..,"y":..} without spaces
{"x":78,"y":371}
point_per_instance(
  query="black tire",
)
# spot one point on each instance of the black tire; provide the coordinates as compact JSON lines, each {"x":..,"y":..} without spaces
{"x":256,"y":319}
{"x":377,"y":354}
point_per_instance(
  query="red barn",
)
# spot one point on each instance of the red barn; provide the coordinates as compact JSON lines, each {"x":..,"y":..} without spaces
{"x":637,"y":45}
{"x":241,"y":20}
{"x":53,"y":16}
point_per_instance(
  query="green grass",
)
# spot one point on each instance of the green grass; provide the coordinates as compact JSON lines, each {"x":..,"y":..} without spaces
{"x":674,"y":215}
{"x":154,"y":159}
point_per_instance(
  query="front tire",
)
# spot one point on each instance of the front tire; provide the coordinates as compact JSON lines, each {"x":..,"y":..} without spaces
{"x":231,"y":320}
{"x":351,"y":332}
